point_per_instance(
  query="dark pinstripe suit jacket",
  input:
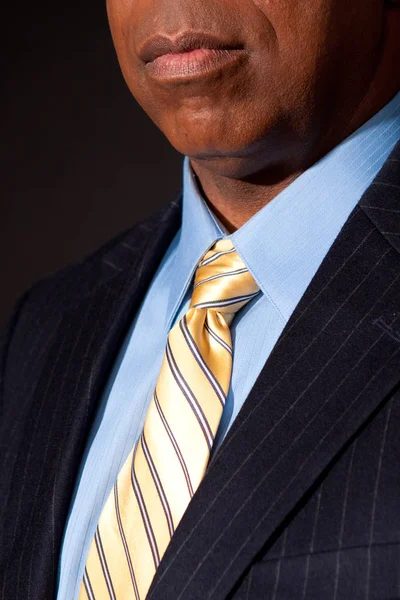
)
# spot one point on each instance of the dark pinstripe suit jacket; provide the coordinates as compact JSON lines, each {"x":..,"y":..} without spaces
{"x":303,"y":498}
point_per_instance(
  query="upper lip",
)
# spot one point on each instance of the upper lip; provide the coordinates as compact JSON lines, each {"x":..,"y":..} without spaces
{"x":161,"y":45}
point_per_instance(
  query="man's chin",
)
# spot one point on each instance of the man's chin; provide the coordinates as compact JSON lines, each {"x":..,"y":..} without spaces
{"x":225,"y":165}
{"x":241,"y":158}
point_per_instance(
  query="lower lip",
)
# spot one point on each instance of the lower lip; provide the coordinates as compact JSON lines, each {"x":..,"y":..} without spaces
{"x":192,"y":65}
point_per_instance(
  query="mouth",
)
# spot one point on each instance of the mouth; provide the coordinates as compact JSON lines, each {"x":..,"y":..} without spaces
{"x":188,"y":56}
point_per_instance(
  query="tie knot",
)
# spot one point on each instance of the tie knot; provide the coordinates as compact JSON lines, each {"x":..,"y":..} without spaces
{"x":222,"y":281}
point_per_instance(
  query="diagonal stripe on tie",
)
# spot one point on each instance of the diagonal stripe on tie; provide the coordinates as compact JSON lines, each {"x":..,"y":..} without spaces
{"x":220,"y":275}
{"x":88,"y":586}
{"x":125,"y":544}
{"x":242,"y":300}
{"x":160,"y":489}
{"x":190,"y":397}
{"x":145,"y":517}
{"x":175,"y":446}
{"x":217,"y":338}
{"x":104,"y":566}
{"x":164,"y":470}
{"x":201,"y":362}
{"x":215,"y":256}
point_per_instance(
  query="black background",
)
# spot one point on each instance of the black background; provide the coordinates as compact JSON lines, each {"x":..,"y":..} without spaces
{"x":80,"y":161}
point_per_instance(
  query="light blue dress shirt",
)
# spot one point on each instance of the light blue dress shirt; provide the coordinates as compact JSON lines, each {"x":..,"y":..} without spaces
{"x":283,"y":245}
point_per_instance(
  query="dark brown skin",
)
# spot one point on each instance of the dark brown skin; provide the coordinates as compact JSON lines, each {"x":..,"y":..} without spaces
{"x":312,"y":73}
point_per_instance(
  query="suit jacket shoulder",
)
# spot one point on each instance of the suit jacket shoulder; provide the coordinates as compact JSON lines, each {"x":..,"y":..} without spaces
{"x":55,"y":354}
{"x":37,"y":312}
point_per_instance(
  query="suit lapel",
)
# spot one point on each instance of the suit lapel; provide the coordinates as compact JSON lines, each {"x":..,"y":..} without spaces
{"x":63,"y":400}
{"x":381,"y":204}
{"x":334,"y":365}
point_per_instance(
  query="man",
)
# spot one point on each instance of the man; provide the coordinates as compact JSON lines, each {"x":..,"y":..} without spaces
{"x":208,"y":406}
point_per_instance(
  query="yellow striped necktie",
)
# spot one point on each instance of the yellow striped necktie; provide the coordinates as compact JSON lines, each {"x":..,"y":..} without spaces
{"x":164,"y":469}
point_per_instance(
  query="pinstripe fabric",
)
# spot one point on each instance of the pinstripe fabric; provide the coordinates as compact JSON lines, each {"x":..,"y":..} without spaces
{"x":347,"y":536}
{"x":301,"y":501}
{"x":83,"y":314}
{"x":307,"y":514}
{"x":164,"y":470}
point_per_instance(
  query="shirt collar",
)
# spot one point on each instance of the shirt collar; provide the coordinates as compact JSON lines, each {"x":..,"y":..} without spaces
{"x":285,"y":242}
{"x":198,"y":232}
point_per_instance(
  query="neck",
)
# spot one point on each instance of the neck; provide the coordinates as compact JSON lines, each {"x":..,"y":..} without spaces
{"x":235,"y":201}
